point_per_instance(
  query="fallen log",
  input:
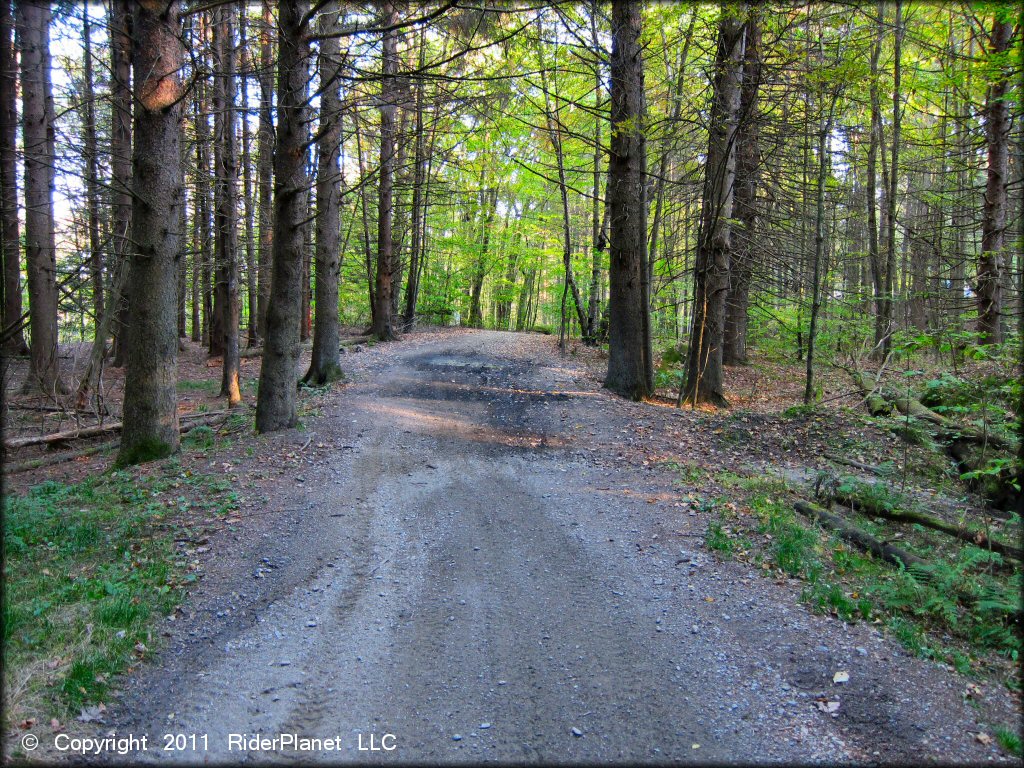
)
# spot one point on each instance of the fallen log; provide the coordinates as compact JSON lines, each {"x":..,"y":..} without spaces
{"x":96,"y":429}
{"x":58,"y":437}
{"x":58,"y":458}
{"x":877,"y":405}
{"x":861,"y":539}
{"x":917,"y":566}
{"x":855,"y":464}
{"x":355,"y":340}
{"x":911,"y":406}
{"x":970,"y":535}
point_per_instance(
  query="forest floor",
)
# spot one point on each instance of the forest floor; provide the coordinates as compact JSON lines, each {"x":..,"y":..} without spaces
{"x":471,"y":545}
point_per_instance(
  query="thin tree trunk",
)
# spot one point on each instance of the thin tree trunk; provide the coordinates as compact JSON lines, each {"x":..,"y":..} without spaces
{"x":663,"y":162}
{"x":412,"y":286}
{"x":897,"y":117}
{"x":203,"y":257}
{"x":555,"y":132}
{"x":265,"y":168}
{"x":226,"y":303}
{"x":275,"y":407}
{"x":91,"y":152}
{"x":10,"y":237}
{"x":365,"y":220}
{"x":150,"y":399}
{"x":383,"y":320}
{"x":251,"y":290}
{"x":121,"y":109}
{"x":824,"y":164}
{"x":325,"y":363}
{"x":993,"y":223}
{"x":879,"y":279}
{"x":33,"y":18}
{"x":629,"y":346}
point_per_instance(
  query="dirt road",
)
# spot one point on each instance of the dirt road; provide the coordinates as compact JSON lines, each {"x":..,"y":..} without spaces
{"x":469,"y":567}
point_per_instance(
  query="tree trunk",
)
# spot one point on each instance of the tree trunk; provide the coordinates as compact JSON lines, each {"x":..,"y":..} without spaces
{"x":488,"y":207}
{"x":203,"y":257}
{"x":275,"y":407}
{"x":748,"y":162}
{"x":121,"y":159}
{"x":824,"y":165}
{"x":33,"y":19}
{"x":226,"y":304}
{"x":879,"y":279}
{"x":265,"y":168}
{"x":91,"y":157}
{"x":890,"y":217}
{"x":993,"y":222}
{"x":325,"y":363}
{"x":629,"y":347}
{"x":383,"y":320}
{"x":412,"y":286}
{"x":251,"y":290}
{"x":150,"y":398}
{"x":704,"y":374}
{"x":10,"y":237}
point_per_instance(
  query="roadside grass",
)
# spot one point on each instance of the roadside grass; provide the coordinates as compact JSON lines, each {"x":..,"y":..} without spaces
{"x":89,"y":569}
{"x":958,"y":610}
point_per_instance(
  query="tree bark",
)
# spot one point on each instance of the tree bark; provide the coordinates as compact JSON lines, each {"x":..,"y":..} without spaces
{"x":993,"y":222}
{"x":10,"y":237}
{"x":412,"y":286}
{"x":629,"y":346}
{"x":879,"y":276}
{"x":150,"y":397}
{"x":33,"y":20}
{"x":226,"y":303}
{"x":383,"y":320}
{"x":265,"y":168}
{"x":251,"y":290}
{"x":325,"y":363}
{"x":704,"y":375}
{"x":275,"y":406}
{"x":121,"y":159}
{"x":748,"y":166}
{"x":91,"y":153}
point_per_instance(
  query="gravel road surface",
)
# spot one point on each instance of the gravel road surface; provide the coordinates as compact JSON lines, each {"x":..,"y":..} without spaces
{"x":468,"y":567}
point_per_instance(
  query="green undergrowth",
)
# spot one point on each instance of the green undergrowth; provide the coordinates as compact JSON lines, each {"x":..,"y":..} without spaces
{"x":89,"y":569}
{"x":957,"y":610}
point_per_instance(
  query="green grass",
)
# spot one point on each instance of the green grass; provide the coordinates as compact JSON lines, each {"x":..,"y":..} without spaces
{"x":1009,"y":740}
{"x":90,"y":567}
{"x":210,"y":386}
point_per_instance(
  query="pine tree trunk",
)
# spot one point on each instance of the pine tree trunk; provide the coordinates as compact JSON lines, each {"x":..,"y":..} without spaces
{"x":993,"y":223}
{"x":265,"y":169}
{"x":383,"y":320}
{"x":10,"y":237}
{"x":121,"y":160}
{"x":412,"y":286}
{"x":252,"y":302}
{"x":325,"y":363}
{"x":748,"y":162}
{"x":226,"y":303}
{"x":150,"y":399}
{"x":212,"y":335}
{"x":275,"y":407}
{"x":704,"y":375}
{"x":629,"y":347}
{"x":33,"y":20}
{"x":91,"y":156}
